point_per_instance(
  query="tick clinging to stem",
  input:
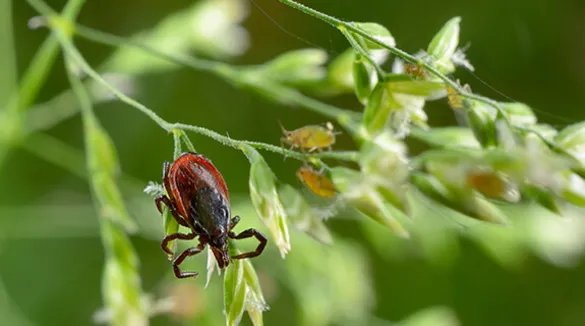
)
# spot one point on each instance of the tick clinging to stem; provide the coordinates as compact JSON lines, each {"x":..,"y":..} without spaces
{"x":198,"y":199}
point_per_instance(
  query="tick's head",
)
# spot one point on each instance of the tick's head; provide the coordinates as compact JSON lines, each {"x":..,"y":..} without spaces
{"x":220,"y":247}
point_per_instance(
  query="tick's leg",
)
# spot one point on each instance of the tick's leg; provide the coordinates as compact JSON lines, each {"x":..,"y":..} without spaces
{"x":248,"y":234}
{"x":235,"y":220}
{"x":187,"y":253}
{"x":165,"y":177}
{"x":165,"y":200}
{"x":181,"y":236}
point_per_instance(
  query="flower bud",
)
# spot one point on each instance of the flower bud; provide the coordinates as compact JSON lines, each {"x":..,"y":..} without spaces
{"x":340,"y":71}
{"x":298,"y":67}
{"x":302,"y":215}
{"x":482,"y":122}
{"x":572,"y":139}
{"x":573,"y":189}
{"x":234,"y":292}
{"x":385,"y":166}
{"x":362,"y":78}
{"x":266,"y":201}
{"x":378,"y":109}
{"x":380,"y":33}
{"x":519,"y":113}
{"x":103,"y":166}
{"x":444,"y":44}
{"x":367,"y":200}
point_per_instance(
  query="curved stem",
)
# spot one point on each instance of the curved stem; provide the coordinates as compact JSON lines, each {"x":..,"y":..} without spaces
{"x":341,"y":25}
{"x":76,"y":58}
{"x":344,"y":117}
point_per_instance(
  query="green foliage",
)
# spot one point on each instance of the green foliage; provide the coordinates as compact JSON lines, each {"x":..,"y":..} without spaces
{"x":471,"y":181}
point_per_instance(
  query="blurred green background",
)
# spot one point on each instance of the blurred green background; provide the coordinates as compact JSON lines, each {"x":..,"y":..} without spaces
{"x":51,"y":256}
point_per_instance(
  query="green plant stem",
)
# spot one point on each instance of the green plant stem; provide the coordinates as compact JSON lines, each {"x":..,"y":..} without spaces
{"x":9,"y":78}
{"x":233,"y":74}
{"x":55,"y":151}
{"x":237,"y":144}
{"x":343,"y":25}
{"x":360,"y":49}
{"x":77,"y":59}
{"x":12,"y":122}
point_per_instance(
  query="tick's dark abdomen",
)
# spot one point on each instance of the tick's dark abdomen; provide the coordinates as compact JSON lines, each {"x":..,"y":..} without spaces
{"x":211,"y":210}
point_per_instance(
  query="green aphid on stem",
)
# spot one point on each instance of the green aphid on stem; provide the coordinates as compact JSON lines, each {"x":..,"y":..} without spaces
{"x":310,"y":138}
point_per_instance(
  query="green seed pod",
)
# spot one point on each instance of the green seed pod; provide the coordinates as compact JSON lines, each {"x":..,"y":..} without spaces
{"x":234,"y":292}
{"x":444,"y":45}
{"x":572,"y":139}
{"x":340,"y":71}
{"x":378,"y":31}
{"x":451,"y":137}
{"x":519,"y":113}
{"x":302,"y":215}
{"x":266,"y":200}
{"x":544,"y":197}
{"x":367,"y":200}
{"x":362,"y":78}
{"x":461,"y":200}
{"x":378,"y":109}
{"x":298,"y":67}
{"x":482,"y":123}
{"x":385,"y":165}
{"x":573,"y":189}
{"x":433,"y":188}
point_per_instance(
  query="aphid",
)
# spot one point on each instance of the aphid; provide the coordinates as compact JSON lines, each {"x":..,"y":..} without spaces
{"x":415,"y":70}
{"x":198,"y":199}
{"x":455,"y":99}
{"x":488,"y":183}
{"x":312,"y":137}
{"x":317,"y":182}
{"x":456,"y":102}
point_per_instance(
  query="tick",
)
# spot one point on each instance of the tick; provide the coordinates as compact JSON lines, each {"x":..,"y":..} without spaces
{"x":311,"y":138}
{"x":198,"y":199}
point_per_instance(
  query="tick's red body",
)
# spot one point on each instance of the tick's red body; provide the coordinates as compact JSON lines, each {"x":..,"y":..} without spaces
{"x":198,"y":198}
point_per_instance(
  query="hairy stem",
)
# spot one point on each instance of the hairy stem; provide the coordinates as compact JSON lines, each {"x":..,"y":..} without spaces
{"x":349,"y":26}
